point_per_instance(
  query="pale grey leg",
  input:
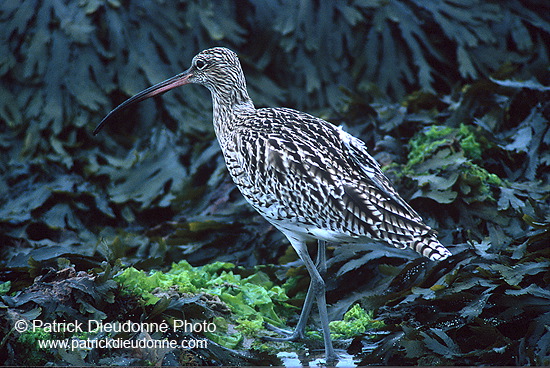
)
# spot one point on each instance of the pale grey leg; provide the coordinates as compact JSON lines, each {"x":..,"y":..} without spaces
{"x":317,"y":287}
{"x":299,"y":331}
{"x":321,"y":261}
{"x":316,"y":290}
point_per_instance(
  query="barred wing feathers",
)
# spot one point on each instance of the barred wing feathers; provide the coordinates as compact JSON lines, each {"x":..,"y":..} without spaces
{"x":302,"y":172}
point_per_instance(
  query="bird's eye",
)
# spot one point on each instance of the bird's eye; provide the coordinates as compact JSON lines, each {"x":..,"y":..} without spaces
{"x":199,"y":64}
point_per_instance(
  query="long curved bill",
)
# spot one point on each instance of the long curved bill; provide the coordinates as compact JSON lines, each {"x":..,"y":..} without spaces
{"x":157,"y":89}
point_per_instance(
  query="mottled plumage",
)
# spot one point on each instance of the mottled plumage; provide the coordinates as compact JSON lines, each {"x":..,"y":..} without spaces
{"x":314,"y":181}
{"x":310,"y":179}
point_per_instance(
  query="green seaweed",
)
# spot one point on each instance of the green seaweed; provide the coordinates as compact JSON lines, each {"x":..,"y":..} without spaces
{"x":250,"y":327}
{"x":426,"y":143}
{"x":223,"y":335}
{"x":469,"y":143}
{"x":356,"y":322}
{"x":446,"y":162}
{"x":34,"y":353}
{"x":252,"y":299}
{"x":5,"y":287}
{"x":476,"y":183}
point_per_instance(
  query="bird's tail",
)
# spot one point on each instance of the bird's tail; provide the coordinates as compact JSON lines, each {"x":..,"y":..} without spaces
{"x":430,"y":247}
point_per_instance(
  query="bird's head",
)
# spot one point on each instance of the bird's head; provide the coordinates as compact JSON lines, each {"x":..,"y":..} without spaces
{"x":217,"y":69}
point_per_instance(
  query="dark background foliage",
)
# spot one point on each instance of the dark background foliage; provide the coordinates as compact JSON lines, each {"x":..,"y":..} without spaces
{"x":449,"y":95}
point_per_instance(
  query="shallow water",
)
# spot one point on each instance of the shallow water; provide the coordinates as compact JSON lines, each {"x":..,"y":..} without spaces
{"x":315,"y":359}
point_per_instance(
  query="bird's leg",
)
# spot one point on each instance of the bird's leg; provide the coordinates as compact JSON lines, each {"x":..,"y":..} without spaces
{"x":316,"y":290}
{"x":299,"y":331}
{"x":321,"y":261}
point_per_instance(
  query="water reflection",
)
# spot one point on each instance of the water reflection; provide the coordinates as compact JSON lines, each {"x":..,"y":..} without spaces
{"x":315,"y":358}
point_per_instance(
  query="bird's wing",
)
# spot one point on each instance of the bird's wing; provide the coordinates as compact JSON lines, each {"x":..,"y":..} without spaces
{"x":401,"y":225}
{"x":326,"y":177}
{"x":357,"y":151}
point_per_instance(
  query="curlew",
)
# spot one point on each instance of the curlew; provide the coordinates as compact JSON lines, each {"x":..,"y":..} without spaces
{"x":307,"y":177}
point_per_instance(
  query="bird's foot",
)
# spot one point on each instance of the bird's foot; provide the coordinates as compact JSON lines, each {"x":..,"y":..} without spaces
{"x":286,"y":334}
{"x":331,"y":357}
